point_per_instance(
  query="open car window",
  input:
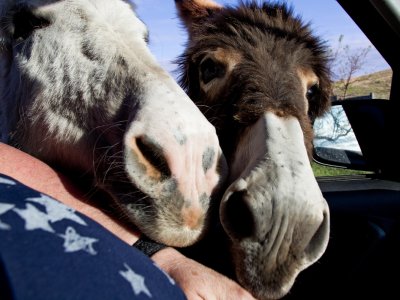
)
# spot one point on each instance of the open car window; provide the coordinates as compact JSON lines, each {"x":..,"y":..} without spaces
{"x":359,"y":72}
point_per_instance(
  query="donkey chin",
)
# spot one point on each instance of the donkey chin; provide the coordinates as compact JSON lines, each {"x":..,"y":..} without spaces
{"x":274,"y":240}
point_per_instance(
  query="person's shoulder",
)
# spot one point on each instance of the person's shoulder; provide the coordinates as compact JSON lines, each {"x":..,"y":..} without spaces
{"x":52,"y":251}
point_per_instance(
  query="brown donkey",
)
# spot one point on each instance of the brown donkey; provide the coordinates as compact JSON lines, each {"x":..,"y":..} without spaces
{"x":260,"y":76}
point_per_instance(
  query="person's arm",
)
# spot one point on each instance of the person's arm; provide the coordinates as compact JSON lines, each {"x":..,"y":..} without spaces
{"x":196,"y":280}
{"x":41,"y":177}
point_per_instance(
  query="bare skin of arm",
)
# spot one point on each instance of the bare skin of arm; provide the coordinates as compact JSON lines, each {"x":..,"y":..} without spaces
{"x":196,"y":280}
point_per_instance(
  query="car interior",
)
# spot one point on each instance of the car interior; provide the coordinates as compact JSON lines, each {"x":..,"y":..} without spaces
{"x":362,"y":258}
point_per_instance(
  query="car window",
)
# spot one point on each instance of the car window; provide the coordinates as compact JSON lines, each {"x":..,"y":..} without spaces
{"x":358,"y":69}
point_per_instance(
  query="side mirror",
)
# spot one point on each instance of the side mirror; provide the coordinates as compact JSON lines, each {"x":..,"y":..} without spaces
{"x":358,"y":134}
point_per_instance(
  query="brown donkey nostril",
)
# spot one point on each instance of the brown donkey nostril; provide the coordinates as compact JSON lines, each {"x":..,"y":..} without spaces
{"x":154,"y":154}
{"x":237,"y":216}
{"x":319,"y":240}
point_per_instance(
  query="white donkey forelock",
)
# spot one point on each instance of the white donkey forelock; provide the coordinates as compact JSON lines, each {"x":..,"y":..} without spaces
{"x":79,"y":89}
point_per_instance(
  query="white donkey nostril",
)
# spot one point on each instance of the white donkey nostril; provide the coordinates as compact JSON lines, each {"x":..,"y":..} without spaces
{"x":319,"y":241}
{"x":151,"y":156}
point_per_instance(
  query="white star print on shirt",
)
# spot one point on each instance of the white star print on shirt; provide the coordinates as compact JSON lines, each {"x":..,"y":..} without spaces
{"x":34,"y":218}
{"x":136,"y":281}
{"x":6,"y":181}
{"x":57,"y":211}
{"x":5,"y":207}
{"x":74,"y":242}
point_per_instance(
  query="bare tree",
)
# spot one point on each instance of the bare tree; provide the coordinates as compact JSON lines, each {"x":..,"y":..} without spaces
{"x":345,"y":63}
{"x":332,"y":127}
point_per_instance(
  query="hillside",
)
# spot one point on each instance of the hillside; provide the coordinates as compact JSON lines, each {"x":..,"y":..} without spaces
{"x":377,"y":83}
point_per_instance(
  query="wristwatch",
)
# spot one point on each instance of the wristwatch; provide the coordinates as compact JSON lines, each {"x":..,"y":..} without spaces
{"x":148,"y":246}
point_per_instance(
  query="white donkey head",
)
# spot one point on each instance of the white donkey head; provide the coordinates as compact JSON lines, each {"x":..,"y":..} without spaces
{"x":80,"y":90}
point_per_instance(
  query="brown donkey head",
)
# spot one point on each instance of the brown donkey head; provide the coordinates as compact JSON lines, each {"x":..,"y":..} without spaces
{"x":260,"y":76}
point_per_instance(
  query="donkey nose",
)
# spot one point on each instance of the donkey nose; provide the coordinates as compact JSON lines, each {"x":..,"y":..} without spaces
{"x":183,"y":172}
{"x":248,"y":215}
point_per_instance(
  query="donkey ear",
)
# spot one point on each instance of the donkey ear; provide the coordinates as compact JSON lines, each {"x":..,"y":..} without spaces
{"x":192,"y":11}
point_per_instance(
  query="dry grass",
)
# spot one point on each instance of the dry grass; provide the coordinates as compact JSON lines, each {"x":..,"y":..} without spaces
{"x":377,"y":83}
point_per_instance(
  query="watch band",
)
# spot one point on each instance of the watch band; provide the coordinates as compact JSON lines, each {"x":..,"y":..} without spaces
{"x":148,"y":246}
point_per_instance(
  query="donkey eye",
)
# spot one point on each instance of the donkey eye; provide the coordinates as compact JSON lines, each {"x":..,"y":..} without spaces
{"x":209,"y":70}
{"x":146,"y":36}
{"x":312,"y":91}
{"x":25,"y":22}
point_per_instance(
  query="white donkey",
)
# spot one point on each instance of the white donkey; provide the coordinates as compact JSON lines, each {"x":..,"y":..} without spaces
{"x":80,"y":90}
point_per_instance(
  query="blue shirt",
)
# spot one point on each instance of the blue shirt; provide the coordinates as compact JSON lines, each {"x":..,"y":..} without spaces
{"x":50,"y":251}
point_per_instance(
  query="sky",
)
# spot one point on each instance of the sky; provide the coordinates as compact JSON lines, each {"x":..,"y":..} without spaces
{"x":328,"y":20}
